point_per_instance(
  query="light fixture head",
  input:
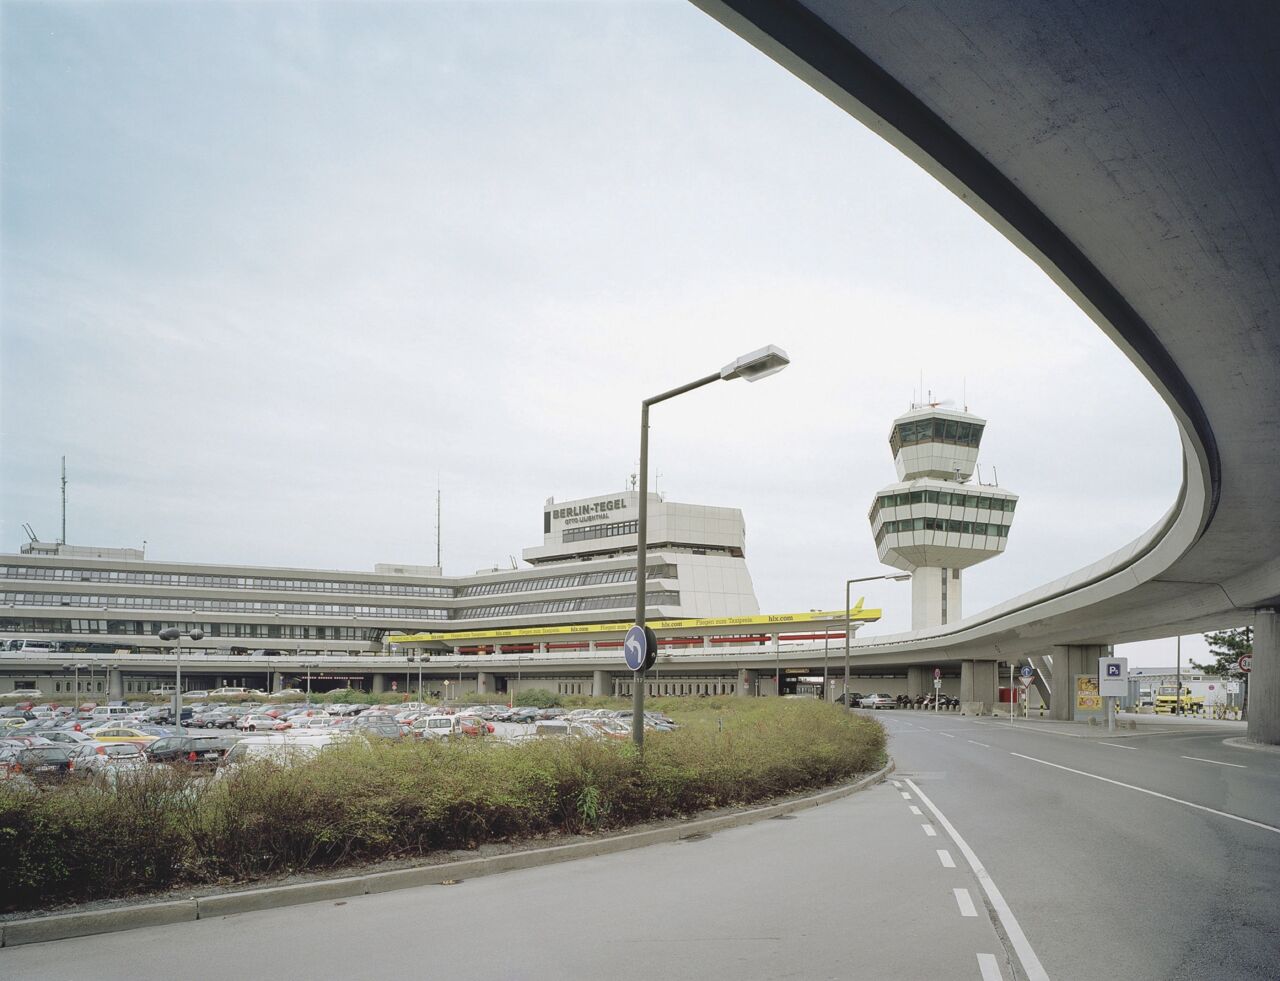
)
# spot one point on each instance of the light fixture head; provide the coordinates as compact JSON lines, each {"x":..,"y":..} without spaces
{"x":756,"y":365}
{"x":196,"y":634}
{"x":902,"y":578}
{"x":169,"y":633}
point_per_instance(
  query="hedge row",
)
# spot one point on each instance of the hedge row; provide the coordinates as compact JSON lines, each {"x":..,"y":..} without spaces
{"x":161,"y":828}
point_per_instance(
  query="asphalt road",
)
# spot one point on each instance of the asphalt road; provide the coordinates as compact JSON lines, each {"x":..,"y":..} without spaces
{"x":1107,"y":879}
{"x":995,"y":852}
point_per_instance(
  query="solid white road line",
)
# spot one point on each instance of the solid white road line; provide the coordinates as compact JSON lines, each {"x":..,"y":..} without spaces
{"x":945,"y":858}
{"x":1031,"y":965}
{"x":1201,"y":759}
{"x":930,"y":830}
{"x":990,"y":967}
{"x":1141,"y":790}
{"x":965,"y":902}
{"x":976,"y":743}
{"x":915,"y":810}
{"x":1116,"y":745}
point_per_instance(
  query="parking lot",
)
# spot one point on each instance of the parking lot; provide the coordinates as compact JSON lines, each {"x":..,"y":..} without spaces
{"x":46,"y":744}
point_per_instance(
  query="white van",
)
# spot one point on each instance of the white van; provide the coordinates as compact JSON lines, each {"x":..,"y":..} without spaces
{"x":109,"y":713}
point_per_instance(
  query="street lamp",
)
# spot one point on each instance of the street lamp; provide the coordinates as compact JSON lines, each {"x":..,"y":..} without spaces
{"x":752,"y":367}
{"x":173,"y":633}
{"x":902,"y":577}
{"x":78,"y":667}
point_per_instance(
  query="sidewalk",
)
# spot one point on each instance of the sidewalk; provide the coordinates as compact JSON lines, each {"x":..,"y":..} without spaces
{"x":1127,"y":724}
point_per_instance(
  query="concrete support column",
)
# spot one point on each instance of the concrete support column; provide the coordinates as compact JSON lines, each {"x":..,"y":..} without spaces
{"x":915,"y":679}
{"x":277,"y":680}
{"x":706,"y":643}
{"x":115,"y":685}
{"x":1069,"y":661}
{"x":542,"y":648}
{"x":601,"y":684}
{"x":1264,"y":679}
{"x":977,"y":687}
{"x":746,"y":683}
{"x":484,"y":682}
{"x":591,"y":647}
{"x":379,"y":683}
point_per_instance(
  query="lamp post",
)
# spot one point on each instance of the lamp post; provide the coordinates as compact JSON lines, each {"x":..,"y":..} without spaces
{"x":752,"y":367}
{"x":173,"y":633}
{"x":903,"y":577}
{"x":78,"y":667}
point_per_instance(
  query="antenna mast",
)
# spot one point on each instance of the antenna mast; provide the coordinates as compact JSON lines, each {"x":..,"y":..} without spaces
{"x":437,"y":521}
{"x":63,"y":539}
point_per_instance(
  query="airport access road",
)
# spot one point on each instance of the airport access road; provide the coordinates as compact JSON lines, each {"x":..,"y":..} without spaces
{"x":868,"y":886}
{"x":1149,"y":854}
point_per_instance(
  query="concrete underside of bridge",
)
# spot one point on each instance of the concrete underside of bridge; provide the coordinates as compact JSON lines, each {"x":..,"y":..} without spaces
{"x":1131,"y":150}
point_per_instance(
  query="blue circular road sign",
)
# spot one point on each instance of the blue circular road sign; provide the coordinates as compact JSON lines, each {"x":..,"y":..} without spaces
{"x":635,"y":648}
{"x":1028,"y":671}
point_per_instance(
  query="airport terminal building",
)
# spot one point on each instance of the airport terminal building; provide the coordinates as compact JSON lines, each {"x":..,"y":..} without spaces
{"x":75,"y":599}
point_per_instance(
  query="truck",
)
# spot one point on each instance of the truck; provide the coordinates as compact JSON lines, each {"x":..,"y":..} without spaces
{"x":1168,"y":700}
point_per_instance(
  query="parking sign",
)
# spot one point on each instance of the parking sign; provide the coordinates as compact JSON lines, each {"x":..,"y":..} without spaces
{"x":1113,"y":676}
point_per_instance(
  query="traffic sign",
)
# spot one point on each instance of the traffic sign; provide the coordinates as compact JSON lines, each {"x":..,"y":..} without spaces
{"x":1028,"y":672}
{"x":1026,"y":680}
{"x":1113,"y":676}
{"x":1245,"y":662}
{"x":937,"y":684}
{"x":635,"y":647}
{"x":1233,"y":688}
{"x":937,"y":673}
{"x":640,"y":648}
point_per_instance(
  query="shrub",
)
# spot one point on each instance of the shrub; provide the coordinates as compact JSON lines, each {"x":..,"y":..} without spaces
{"x":361,"y":801}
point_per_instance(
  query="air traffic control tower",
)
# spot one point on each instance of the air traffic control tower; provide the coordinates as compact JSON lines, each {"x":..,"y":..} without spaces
{"x":935,"y":522}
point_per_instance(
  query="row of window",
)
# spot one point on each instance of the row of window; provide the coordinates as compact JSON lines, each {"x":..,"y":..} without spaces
{"x":991,"y":530}
{"x":935,"y":431}
{"x":147,"y":628}
{"x":611,"y":602}
{"x":221,"y":605}
{"x":660,"y":571}
{"x":219,"y":582}
{"x":601,"y":531}
{"x":985,"y":502}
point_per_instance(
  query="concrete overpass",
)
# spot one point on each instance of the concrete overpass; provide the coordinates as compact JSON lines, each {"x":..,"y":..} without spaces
{"x":1131,"y":151}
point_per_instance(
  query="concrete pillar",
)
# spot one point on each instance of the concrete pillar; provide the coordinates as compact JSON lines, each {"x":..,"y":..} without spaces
{"x":379,"y":683}
{"x":706,"y":643}
{"x":601,"y":683}
{"x":484,"y":682}
{"x":1069,"y":661}
{"x":1264,"y":679}
{"x":277,"y":680}
{"x":977,"y":687}
{"x":746,"y":684}
{"x":115,"y":685}
{"x":542,"y":648}
{"x":916,"y":679}
{"x":591,"y":647}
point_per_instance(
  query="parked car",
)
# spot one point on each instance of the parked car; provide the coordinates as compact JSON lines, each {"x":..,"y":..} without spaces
{"x":256,"y":721}
{"x":127,"y":734}
{"x":112,"y":758}
{"x":377,"y":725}
{"x":45,"y":764}
{"x":197,"y":750}
{"x":432,"y":727}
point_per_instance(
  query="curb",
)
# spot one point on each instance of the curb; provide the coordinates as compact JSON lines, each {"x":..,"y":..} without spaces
{"x":64,"y":926}
{"x":1244,"y":742}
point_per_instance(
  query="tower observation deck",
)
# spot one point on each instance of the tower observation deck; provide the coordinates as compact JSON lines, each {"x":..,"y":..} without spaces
{"x":934,"y":522}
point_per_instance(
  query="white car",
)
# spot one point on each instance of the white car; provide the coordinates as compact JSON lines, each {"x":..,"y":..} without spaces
{"x":877,"y":702}
{"x":24,"y":693}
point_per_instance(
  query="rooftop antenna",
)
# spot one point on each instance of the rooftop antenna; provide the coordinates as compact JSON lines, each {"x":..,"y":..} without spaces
{"x":995,"y":476}
{"x":63,"y":539}
{"x":964,"y":393}
{"x":30,"y":532}
{"x":437,"y":519}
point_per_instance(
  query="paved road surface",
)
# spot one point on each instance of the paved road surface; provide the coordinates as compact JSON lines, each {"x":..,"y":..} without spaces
{"x":1064,"y":867}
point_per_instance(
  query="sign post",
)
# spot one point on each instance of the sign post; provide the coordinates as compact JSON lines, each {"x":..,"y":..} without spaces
{"x":937,"y":688}
{"x":1027,"y":675}
{"x":1113,"y":682}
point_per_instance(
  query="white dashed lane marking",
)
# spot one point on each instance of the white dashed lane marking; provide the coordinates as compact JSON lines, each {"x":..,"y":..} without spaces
{"x":990,"y":967}
{"x":945,"y":858}
{"x":1201,"y":759}
{"x":930,"y":830}
{"x":965,"y":902}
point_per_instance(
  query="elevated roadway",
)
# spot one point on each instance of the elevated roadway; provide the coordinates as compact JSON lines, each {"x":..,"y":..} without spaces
{"x":1132,"y":151}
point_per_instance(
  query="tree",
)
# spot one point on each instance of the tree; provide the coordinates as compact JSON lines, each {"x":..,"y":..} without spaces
{"x":1226,"y":646}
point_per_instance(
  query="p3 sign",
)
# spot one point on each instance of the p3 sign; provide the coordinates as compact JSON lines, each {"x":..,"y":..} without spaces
{"x":640,"y":648}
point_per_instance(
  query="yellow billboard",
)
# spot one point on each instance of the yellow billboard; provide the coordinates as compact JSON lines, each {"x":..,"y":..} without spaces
{"x":1088,"y":699}
{"x":811,"y":618}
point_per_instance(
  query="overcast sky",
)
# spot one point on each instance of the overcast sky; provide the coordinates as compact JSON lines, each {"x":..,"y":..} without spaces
{"x":271,"y":271}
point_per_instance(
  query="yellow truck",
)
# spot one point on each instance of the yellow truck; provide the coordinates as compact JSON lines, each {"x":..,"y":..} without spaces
{"x":1167,"y":699}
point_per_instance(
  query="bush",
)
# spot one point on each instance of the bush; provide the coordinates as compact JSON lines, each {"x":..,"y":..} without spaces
{"x":538,"y":698}
{"x":363,"y":801}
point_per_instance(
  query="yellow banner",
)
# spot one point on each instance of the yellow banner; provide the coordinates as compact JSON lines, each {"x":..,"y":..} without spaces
{"x":1087,"y":697}
{"x":856,"y":614}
